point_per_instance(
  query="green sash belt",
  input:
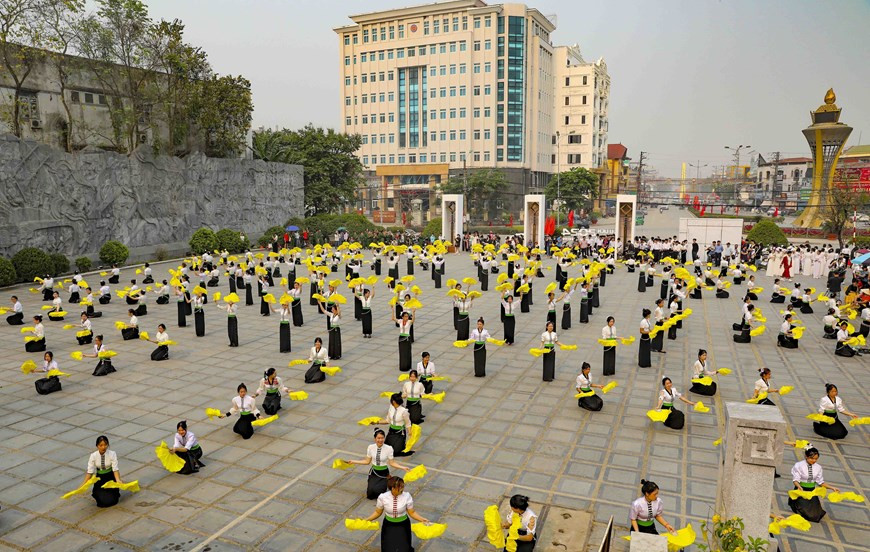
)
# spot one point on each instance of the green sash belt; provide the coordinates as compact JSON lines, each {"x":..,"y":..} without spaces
{"x":647,"y":523}
{"x":480,"y":342}
{"x":104,"y":472}
{"x":586,"y":389}
{"x":404,"y":335}
{"x":194,"y":447}
{"x":285,"y":321}
{"x":413,"y":399}
{"x":397,"y":428}
{"x":271,"y":391}
{"x":831,"y":412}
{"x":667,"y":404}
{"x":380,"y":468}
{"x":808,"y":485}
{"x":243,"y":413}
{"x":396,"y":520}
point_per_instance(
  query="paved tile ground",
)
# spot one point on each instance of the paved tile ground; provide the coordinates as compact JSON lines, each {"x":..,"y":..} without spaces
{"x":491,"y":437}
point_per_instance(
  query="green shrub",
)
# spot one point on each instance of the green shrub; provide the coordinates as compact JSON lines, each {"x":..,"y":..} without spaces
{"x":203,"y":240}
{"x":7,"y":272}
{"x":266,"y":239}
{"x":229,"y":239}
{"x":83,"y":264}
{"x":766,"y":232}
{"x":60,"y":263}
{"x":433,"y":228}
{"x":862,"y":241}
{"x":356,"y":224}
{"x":114,"y":252}
{"x":161,"y":254}
{"x":31,"y":262}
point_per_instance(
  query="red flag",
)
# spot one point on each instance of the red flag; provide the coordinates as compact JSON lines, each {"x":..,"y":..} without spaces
{"x":571,"y":218}
{"x":703,"y":209}
{"x":721,"y":209}
{"x":776,"y":212}
{"x":404,"y":219}
{"x":550,"y":226}
{"x":512,"y":221}
{"x":738,"y":209}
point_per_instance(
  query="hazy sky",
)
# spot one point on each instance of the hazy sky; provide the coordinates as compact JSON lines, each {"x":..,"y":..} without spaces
{"x":688,"y":77}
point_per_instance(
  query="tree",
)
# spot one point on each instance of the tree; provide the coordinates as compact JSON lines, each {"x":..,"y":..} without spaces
{"x":576,"y":187}
{"x":61,"y":18}
{"x":332,"y":170}
{"x":21,"y":49}
{"x":222,"y":111}
{"x":842,"y":202}
{"x":480,"y":190}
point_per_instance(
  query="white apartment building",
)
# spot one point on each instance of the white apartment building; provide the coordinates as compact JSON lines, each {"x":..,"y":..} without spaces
{"x":440,"y":89}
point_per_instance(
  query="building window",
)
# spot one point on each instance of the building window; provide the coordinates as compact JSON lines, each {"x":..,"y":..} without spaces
{"x":389,"y":54}
{"x":476,"y":24}
{"x":486,"y":156}
{"x":452,"y":68}
{"x":453,"y":113}
{"x":462,"y":90}
{"x":462,"y":135}
{"x":412,"y":51}
{"x":452,"y":156}
{"x":574,"y":158}
{"x":452,"y":91}
{"x":476,"y":68}
{"x":487,"y":45}
{"x":452,"y":47}
{"x":567,"y":100}
{"x":392,"y":32}
{"x":462,"y":46}
{"x":476,"y":90}
{"x":433,"y":92}
{"x":347,"y":100}
{"x":443,"y":114}
{"x":584,"y":80}
{"x":477,"y":156}
{"x":356,"y":39}
{"x":462,"y":112}
{"x":582,"y":120}
{"x":443,"y":135}
{"x":421,"y":51}
{"x":567,"y":81}
{"x":365,"y":121}
{"x":486,"y":112}
{"x":400,"y":53}
{"x":436,"y":26}
{"x":584,"y":100}
{"x":453,"y":135}
{"x":381,"y":76}
{"x":442,"y":48}
{"x":486,"y":134}
{"x":392,"y":117}
{"x":442,"y":70}
{"x":381,"y":55}
{"x":363,"y":57}
{"x":575,"y":138}
{"x":425,"y":28}
{"x":488,"y":22}
{"x":347,"y":60}
{"x":432,"y":50}
{"x":461,"y":68}
{"x":499,"y":153}
{"x":347,"y":40}
{"x":347,"y":81}
{"x":476,"y":46}
{"x":476,"y":135}
{"x":487,"y":90}
{"x":401,"y":31}
{"x":487,"y":67}
{"x":443,"y":91}
{"x":476,"y":112}
{"x":391,"y":96}
{"x":347,"y":121}
{"x":567,"y":120}
{"x":455,"y":24}
{"x":365,"y":159}
{"x":365,"y":36}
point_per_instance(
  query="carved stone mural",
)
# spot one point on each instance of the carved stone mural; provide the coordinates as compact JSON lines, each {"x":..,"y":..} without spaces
{"x":73,"y":203}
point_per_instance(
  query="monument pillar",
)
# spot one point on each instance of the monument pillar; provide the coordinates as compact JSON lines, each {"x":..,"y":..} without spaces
{"x":626,"y":210}
{"x":533,"y":219}
{"x":754,"y":436}
{"x":453,"y":209}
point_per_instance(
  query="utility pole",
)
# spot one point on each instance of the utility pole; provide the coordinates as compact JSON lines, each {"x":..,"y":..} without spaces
{"x":776,"y":188}
{"x":640,"y":169}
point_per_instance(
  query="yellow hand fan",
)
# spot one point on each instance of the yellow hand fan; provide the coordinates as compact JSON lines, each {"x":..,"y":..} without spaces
{"x":820,"y":492}
{"x":684,"y":538}
{"x":264,"y":421}
{"x":82,"y":489}
{"x":68,"y":326}
{"x":584,"y":394}
{"x":859,"y":421}
{"x":269,"y":298}
{"x":717,"y":442}
{"x":413,"y":437}
{"x":339,"y":464}
{"x":786,"y":389}
{"x":297,"y":362}
{"x":120,"y":325}
{"x":706,"y":380}
{"x":360,"y":525}
{"x":415,"y":473}
{"x":437,"y":397}
{"x":451,"y":283}
{"x":28,"y":366}
{"x":699,"y":407}
{"x":609,"y":387}
{"x":627,"y":340}
{"x":144,"y":336}
{"x":474,"y":294}
{"x":658,"y":415}
{"x":494,"y":531}
{"x":76,"y":355}
{"x":538,"y":352}
{"x":761,"y":396}
{"x":469,"y":281}
{"x":566,"y":347}
{"x":608,"y":342}
{"x":757,"y":331}
{"x":297,"y":395}
{"x":407,"y":279}
{"x":821,"y":418}
{"x":170,"y":461}
{"x":55,"y":373}
{"x":47,"y":307}
{"x":213,"y":413}
{"x":724,"y":371}
{"x":386,"y":394}
{"x":369,"y":421}
{"x":330,"y":370}
{"x":231,"y":298}
{"x":553,"y":286}
{"x":132,"y":486}
{"x":497,"y":342}
{"x":431,"y":531}
{"x":460,"y":343}
{"x":850,"y":496}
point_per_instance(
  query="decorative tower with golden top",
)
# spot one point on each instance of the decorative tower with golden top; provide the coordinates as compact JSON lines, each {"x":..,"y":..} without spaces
{"x":826,"y":137}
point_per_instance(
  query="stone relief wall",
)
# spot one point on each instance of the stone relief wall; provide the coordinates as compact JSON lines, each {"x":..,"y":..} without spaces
{"x":73,"y":203}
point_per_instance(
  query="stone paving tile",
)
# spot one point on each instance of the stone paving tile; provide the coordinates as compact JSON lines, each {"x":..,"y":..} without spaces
{"x":499,"y":435}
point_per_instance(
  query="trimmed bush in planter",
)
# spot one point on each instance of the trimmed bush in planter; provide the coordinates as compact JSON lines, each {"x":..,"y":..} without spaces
{"x":433,"y":228}
{"x":7,"y":272}
{"x":229,"y":239}
{"x":83,"y":264}
{"x":31,"y":262}
{"x":60,"y":264}
{"x":203,"y":240}
{"x":766,"y":232}
{"x":114,"y":252}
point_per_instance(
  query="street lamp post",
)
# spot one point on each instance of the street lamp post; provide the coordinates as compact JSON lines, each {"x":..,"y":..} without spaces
{"x":558,"y":202}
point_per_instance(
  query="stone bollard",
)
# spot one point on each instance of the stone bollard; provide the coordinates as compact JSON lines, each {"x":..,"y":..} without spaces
{"x":754,"y":437}
{"x":642,"y":542}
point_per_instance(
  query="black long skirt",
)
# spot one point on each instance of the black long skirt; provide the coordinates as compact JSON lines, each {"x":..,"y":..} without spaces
{"x":233,"y":331}
{"x":531,"y":294}
{"x":743,"y":336}
{"x":249,"y":295}
{"x":676,"y":420}
{"x":314,"y":374}
{"x":272,"y":403}
{"x":162,"y":300}
{"x":643,"y":350}
{"x":264,"y":306}
{"x":199,"y":322}
{"x":396,"y":439}
{"x":777,"y":298}
{"x":377,"y":482}
{"x":415,"y":411}
{"x":706,"y":390}
{"x":844,"y":350}
{"x":17,"y":319}
{"x":357,"y":308}
{"x":835,"y":431}
{"x":191,"y":460}
{"x":595,"y":301}
{"x":404,"y":353}
{"x":786,"y":341}
{"x":865,"y":329}
{"x":396,"y":536}
{"x":188,"y":307}
{"x":334,"y":348}
{"x":114,"y":279}
{"x":74,"y":298}
{"x":366,"y":316}
{"x":463,"y":329}
{"x":672,"y":332}
{"x":142,"y":309}
{"x":436,"y":277}
{"x":297,"y":313}
{"x":592,"y":403}
{"x":664,"y":289}
{"x":312,"y":291}
{"x":240,"y":282}
{"x":160,"y":353}
{"x":549,"y":364}
{"x":658,"y":342}
{"x":410,"y":265}
{"x":603,"y":281}
{"x":484,"y":281}
{"x":35,"y":346}
{"x":182,"y":315}
{"x":104,"y":367}
{"x":130,"y":333}
{"x":641,"y":282}
{"x":378,"y":267}
{"x":510,"y":324}
{"x":551,"y":317}
{"x":105,"y":299}
{"x":525,"y":302}
{"x":566,"y":316}
{"x":105,"y":497}
{"x":284,"y":337}
{"x":243,"y":426}
{"x":45,"y":386}
{"x":810,"y":510}
{"x":479,"y":360}
{"x":609,"y":362}
{"x":649,"y":281}
{"x":232,"y":285}
{"x":584,"y":311}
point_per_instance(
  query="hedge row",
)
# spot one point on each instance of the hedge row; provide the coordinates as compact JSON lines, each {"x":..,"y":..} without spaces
{"x":30,"y":262}
{"x":205,"y":239}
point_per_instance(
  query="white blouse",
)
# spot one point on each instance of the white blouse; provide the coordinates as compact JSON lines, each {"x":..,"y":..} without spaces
{"x":395,"y":506}
{"x":160,"y":337}
{"x":480,"y":335}
{"x":645,"y":324}
{"x":405,"y":327}
{"x":669,"y":398}
{"x":188,"y":441}
{"x":700,"y":369}
{"x":427,"y":370}
{"x":528,"y":517}
{"x":659,"y":314}
{"x":39,"y":330}
{"x":786,"y":327}
{"x":46,"y":365}
{"x":829,"y":320}
{"x":549,"y":338}
{"x":608,"y":332}
{"x":133,"y":321}
{"x":86,"y":324}
{"x":381,"y":456}
{"x":276,"y":385}
{"x":762,"y":386}
{"x":584,"y":382}
{"x":97,"y":461}
{"x":245,"y":404}
{"x":843,"y":335}
{"x":399,"y":417}
{"x":413,"y":390}
{"x":508,"y":306}
{"x":801,"y":473}
{"x":826,"y":405}
{"x":320,"y":356}
{"x":641,"y":508}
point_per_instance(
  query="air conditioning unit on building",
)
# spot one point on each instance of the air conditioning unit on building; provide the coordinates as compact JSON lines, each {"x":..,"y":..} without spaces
{"x":35,"y":124}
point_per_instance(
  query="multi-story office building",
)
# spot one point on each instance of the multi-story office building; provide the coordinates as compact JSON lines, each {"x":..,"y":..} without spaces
{"x":442,"y":89}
